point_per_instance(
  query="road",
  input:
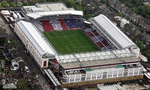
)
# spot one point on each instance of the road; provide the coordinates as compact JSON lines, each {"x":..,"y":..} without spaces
{"x":28,"y":59}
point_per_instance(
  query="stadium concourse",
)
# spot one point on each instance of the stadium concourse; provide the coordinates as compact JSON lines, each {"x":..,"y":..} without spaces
{"x":72,"y":52}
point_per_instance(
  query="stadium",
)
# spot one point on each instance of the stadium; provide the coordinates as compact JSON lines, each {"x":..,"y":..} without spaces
{"x":74,"y":52}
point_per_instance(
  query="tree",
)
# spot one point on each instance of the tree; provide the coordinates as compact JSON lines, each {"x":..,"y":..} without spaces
{"x":140,"y":45}
{"x":0,"y":5}
{"x":12,"y":4}
{"x":34,"y":73}
{"x":19,"y":4}
{"x":121,"y":14}
{"x":103,"y":1}
{"x":25,"y":3}
{"x":70,"y":3}
{"x":5,"y":4}
{"x":78,"y":7}
{"x":142,"y":30}
{"x":33,"y":2}
{"x":21,"y":84}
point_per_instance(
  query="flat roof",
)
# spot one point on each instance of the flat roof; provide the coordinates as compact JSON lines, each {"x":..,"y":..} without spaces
{"x":93,"y":56}
{"x":36,"y":38}
{"x":75,"y":65}
{"x":53,"y":6}
{"x":36,"y":15}
{"x":99,"y":58}
{"x":112,"y":31}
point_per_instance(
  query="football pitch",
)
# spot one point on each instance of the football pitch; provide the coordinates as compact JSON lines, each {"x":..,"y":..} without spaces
{"x":70,"y":41}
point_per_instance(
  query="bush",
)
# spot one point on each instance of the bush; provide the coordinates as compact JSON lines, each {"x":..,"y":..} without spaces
{"x":5,"y":4}
{"x":70,"y":3}
{"x":12,"y":4}
{"x":103,"y":1}
{"x":19,"y":4}
{"x":34,"y":73}
{"x":25,"y":3}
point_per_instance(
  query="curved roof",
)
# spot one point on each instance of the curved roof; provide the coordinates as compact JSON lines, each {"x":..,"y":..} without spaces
{"x":112,"y":31}
{"x":51,"y":13}
{"x":36,"y":38}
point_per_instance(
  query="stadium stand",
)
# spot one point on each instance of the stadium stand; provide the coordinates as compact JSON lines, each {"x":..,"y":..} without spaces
{"x":39,"y":25}
{"x":95,"y":33}
{"x":73,"y":23}
{"x":46,"y":25}
{"x":99,"y":44}
{"x":63,"y":24}
{"x":56,"y":24}
{"x":97,"y":39}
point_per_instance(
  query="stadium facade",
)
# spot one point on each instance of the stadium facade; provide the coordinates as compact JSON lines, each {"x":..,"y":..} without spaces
{"x":118,"y":58}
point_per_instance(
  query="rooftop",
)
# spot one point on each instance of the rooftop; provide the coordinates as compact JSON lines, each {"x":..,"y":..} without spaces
{"x":49,"y":9}
{"x":73,"y":61}
{"x":95,"y":63}
{"x":36,"y":15}
{"x":52,"y":6}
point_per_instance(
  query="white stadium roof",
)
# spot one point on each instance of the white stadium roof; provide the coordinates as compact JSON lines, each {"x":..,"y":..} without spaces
{"x":94,"y":56}
{"x":49,"y":9}
{"x":51,"y":13}
{"x":36,"y":38}
{"x":52,"y":6}
{"x":112,"y":31}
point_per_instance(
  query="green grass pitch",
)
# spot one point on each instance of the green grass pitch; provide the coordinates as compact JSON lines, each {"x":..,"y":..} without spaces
{"x":70,"y":41}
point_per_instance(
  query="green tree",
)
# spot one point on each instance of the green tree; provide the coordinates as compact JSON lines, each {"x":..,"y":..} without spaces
{"x":144,"y":11}
{"x":25,"y":3}
{"x":103,"y":1}
{"x":140,"y":45}
{"x":142,"y":30}
{"x":121,"y":14}
{"x":33,"y":2}
{"x":19,"y":4}
{"x":70,"y":3}
{"x":34,"y":73}
{"x":138,"y":7}
{"x":0,"y":5}
{"x":12,"y":4}
{"x":5,"y":4}
{"x":78,"y":7}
